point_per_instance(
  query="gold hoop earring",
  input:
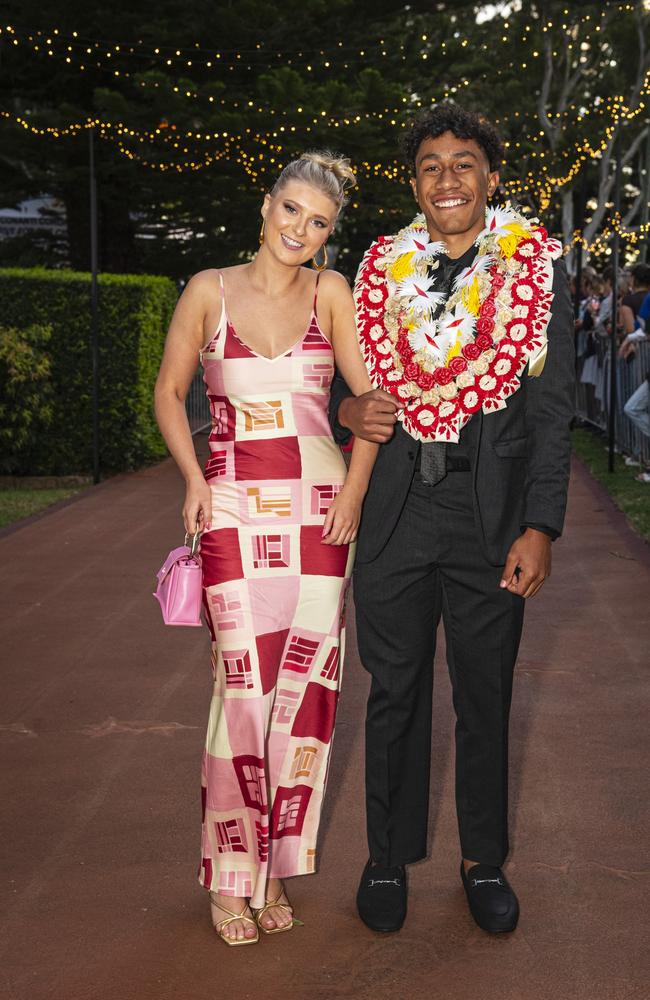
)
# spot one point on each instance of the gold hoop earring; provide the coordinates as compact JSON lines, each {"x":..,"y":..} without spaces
{"x":262,"y":232}
{"x":320,"y":267}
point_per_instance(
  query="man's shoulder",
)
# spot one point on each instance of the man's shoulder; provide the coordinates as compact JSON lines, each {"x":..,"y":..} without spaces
{"x":560,"y":268}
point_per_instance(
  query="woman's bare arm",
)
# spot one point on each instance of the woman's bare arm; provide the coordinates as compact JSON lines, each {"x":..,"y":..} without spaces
{"x":180,"y":358}
{"x":627,"y":320}
{"x":342,"y":519}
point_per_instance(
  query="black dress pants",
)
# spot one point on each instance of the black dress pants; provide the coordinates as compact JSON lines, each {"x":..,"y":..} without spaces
{"x":434,"y":565}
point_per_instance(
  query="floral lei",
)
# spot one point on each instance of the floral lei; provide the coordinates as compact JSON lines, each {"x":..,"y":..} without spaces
{"x":493,"y":324}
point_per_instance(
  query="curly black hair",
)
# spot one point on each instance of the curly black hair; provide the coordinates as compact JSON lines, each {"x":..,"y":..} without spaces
{"x":641,"y":274}
{"x":463,"y":124}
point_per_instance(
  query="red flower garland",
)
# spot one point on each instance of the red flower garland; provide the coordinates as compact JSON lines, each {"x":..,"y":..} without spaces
{"x":391,"y":363}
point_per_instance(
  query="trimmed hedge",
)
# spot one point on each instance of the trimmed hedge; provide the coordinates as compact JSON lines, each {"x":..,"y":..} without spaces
{"x":134,"y":313}
{"x":25,"y":393}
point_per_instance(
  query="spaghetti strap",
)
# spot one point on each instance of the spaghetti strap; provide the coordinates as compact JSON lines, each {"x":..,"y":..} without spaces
{"x":222,"y":317}
{"x":313,"y":308}
{"x":224,"y":311}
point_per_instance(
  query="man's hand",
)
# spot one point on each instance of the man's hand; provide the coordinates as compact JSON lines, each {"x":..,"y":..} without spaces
{"x":528,"y":563}
{"x":371,"y":416}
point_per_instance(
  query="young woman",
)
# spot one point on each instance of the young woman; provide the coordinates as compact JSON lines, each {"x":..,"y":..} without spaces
{"x":278,"y":516}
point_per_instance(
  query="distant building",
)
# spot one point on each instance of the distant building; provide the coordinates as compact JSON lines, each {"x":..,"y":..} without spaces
{"x":35,"y":215}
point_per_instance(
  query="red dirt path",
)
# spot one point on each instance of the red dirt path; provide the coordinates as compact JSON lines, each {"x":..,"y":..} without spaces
{"x":102,"y":729}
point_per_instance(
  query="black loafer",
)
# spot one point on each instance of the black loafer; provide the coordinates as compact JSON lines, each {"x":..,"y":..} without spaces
{"x":381,"y":899}
{"x":491,"y":899}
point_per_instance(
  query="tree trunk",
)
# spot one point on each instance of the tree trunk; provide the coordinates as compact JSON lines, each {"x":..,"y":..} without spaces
{"x":568,"y":227}
{"x":117,"y":250}
{"x":75,"y":197}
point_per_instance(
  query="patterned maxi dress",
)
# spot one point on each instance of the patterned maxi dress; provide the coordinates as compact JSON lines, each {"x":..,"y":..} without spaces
{"x":274,"y":598}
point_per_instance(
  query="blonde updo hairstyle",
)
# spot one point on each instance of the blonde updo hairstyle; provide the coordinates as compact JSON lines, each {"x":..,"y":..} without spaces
{"x":330,"y":174}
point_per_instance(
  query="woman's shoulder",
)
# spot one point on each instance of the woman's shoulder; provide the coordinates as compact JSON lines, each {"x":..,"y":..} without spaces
{"x":335,"y":292}
{"x":210,"y":275}
{"x":203,"y":281}
{"x":205,"y":286}
{"x":334,"y":285}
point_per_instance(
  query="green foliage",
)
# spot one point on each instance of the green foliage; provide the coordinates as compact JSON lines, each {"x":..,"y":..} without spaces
{"x":15,"y":504}
{"x":134,"y":312}
{"x":342,"y":74}
{"x":628,"y":494}
{"x":26,"y":408}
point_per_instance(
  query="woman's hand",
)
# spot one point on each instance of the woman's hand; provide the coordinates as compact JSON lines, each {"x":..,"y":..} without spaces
{"x":197,"y":509}
{"x":342,"y":518}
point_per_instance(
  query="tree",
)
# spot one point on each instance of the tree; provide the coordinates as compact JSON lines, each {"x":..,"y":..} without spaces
{"x":215,"y":103}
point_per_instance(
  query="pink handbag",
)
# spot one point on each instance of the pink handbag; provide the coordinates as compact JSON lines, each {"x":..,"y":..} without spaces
{"x":179,"y":589}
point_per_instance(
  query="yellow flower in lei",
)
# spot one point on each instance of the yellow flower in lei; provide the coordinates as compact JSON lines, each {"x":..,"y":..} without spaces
{"x":512,"y":235}
{"x":402,"y":267}
{"x":454,"y":350}
{"x":470,"y":297}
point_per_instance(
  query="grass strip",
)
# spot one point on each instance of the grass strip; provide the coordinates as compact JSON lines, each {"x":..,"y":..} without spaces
{"x":629,"y":495}
{"x":17,"y":504}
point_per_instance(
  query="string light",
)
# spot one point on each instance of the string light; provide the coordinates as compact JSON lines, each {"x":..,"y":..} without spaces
{"x":539,"y":180}
{"x":99,"y":49}
{"x":601,"y":243}
{"x":258,"y":152}
{"x":197,"y":56}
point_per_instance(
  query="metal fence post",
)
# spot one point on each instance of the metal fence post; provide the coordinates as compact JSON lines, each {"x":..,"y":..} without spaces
{"x":94,"y":332}
{"x":613,"y":342}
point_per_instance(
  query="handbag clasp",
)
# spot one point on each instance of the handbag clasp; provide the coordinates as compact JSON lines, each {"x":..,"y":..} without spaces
{"x":196,"y":537}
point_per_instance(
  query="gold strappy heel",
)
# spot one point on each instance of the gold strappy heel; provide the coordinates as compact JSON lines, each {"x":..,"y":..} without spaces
{"x":281,"y":906}
{"x":222,"y":924}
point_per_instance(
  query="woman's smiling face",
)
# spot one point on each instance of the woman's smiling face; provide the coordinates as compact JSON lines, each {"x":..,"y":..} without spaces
{"x":297,"y":221}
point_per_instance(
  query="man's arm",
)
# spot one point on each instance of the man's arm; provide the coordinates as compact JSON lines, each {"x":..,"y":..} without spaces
{"x":550,"y":407}
{"x":371,"y":416}
{"x":339,"y":391}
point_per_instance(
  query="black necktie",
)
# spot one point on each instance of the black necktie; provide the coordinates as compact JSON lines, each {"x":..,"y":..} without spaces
{"x":433,"y":454}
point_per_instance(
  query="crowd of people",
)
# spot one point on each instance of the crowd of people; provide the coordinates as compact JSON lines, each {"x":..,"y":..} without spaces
{"x":593,"y":332}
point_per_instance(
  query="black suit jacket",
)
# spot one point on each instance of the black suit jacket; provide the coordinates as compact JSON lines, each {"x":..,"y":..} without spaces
{"x":520,"y":455}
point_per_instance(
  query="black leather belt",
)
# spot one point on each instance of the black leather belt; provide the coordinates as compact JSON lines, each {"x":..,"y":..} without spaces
{"x":454,"y":463}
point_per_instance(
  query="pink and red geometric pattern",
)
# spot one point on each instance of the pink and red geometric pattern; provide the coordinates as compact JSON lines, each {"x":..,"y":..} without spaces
{"x":285,"y":705}
{"x":216,"y":465}
{"x":271,"y":551}
{"x":226,"y":611}
{"x":273,"y":599}
{"x":330,"y":669}
{"x":270,"y":648}
{"x":289,"y":811}
{"x":231,"y":836}
{"x":300,"y":653}
{"x":315,"y":717}
{"x":251,"y":775}
{"x":322,"y":496}
{"x":237,"y":666}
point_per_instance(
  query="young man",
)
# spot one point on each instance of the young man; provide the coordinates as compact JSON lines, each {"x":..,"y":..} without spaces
{"x":468,"y":492}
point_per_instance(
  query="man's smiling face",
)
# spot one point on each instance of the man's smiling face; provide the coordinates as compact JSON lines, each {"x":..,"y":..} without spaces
{"x":452,"y":183}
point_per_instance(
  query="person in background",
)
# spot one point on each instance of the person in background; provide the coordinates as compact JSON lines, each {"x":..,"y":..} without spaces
{"x":589,"y":289}
{"x":631,"y":305}
{"x":595,"y":326}
{"x":637,"y":409}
